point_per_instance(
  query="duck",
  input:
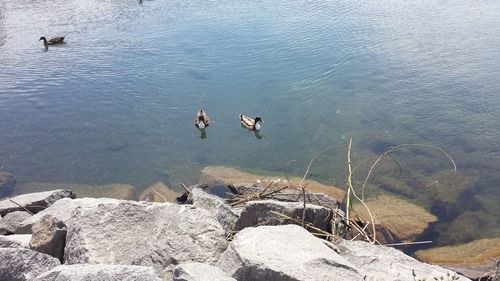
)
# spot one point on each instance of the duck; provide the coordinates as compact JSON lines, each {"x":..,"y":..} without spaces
{"x":53,"y":41}
{"x":249,"y":123}
{"x":201,"y":120}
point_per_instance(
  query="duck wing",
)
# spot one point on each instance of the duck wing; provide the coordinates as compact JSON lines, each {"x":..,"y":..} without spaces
{"x":247,"y":122}
{"x":56,"y":40}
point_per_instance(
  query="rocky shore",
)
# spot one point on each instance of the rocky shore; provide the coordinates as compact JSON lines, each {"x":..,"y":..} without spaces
{"x":53,"y":235}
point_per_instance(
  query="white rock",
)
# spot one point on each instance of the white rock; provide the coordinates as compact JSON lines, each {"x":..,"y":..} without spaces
{"x":199,"y":272}
{"x":88,"y":272}
{"x":12,"y":221}
{"x":62,"y":209}
{"x":34,"y":202}
{"x":15,"y":241}
{"x":18,"y":264}
{"x":161,"y":235}
{"x":216,"y":206}
{"x":283,"y":253}
{"x":380,"y":263}
{"x":49,"y":236}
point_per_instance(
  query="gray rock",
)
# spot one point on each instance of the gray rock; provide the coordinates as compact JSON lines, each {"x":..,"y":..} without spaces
{"x":259,"y":212}
{"x":7,"y":183}
{"x":88,"y":272}
{"x":288,"y":195}
{"x":11,"y":221}
{"x":49,"y":237}
{"x":216,"y":206}
{"x":380,"y":263}
{"x":199,"y":272}
{"x":161,"y":235}
{"x":24,"y":264}
{"x":15,"y":241}
{"x":34,"y":202}
{"x":62,"y":209}
{"x":283,"y":253}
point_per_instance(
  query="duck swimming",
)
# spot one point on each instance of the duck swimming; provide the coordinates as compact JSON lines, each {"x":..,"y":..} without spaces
{"x":201,"y":119}
{"x":249,"y":123}
{"x":53,"y":41}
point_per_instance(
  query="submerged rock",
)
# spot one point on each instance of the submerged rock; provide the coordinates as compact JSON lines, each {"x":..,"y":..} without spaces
{"x":7,"y":183}
{"x":23,"y":264}
{"x":101,"y":272}
{"x":159,"y":192}
{"x":231,"y":176}
{"x":283,"y":253}
{"x":161,"y":235}
{"x":34,"y":202}
{"x":114,"y":190}
{"x":380,"y":263}
{"x":472,"y":259}
{"x":199,"y":272}
{"x":12,"y":221}
{"x":396,"y":219}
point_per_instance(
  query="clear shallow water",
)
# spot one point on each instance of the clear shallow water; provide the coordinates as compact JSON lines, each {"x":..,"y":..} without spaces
{"x":116,"y":102}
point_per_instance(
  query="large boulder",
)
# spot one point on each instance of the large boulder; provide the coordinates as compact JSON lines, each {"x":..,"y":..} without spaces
{"x":12,"y":221}
{"x":161,"y":235}
{"x":18,"y":264}
{"x":216,"y":206}
{"x":264,"y":212}
{"x":101,"y":272}
{"x":15,"y":241}
{"x":283,"y":253}
{"x":196,"y":271}
{"x":49,"y":237}
{"x":159,"y":192}
{"x":62,"y":209}
{"x":34,"y":202}
{"x":381,"y":263}
{"x":7,"y":183}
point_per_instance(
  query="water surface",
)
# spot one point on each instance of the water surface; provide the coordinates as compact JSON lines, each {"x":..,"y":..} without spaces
{"x":116,"y":102}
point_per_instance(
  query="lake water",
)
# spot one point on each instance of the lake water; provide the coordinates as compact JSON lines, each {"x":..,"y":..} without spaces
{"x":116,"y":103}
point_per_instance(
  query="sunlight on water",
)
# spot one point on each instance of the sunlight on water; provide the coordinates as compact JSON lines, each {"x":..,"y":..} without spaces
{"x":116,"y":102}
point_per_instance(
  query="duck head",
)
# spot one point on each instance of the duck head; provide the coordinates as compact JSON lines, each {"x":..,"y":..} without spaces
{"x":256,"y":124}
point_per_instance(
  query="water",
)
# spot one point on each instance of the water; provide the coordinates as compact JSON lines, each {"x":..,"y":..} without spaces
{"x":116,"y":102}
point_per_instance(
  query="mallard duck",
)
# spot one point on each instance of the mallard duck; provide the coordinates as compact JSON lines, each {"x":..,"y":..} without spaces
{"x":201,"y":119}
{"x":53,"y":41}
{"x":249,"y":123}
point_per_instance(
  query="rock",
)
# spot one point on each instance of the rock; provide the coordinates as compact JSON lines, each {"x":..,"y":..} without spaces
{"x":397,"y":219}
{"x":215,"y":206}
{"x":49,"y":237}
{"x":34,"y":202}
{"x":89,"y":272}
{"x":12,"y":221}
{"x":15,"y":241}
{"x":161,"y":235}
{"x":287,"y":195}
{"x":24,"y":264}
{"x":199,"y":272}
{"x":159,"y":192}
{"x":62,"y":209}
{"x":231,"y":176}
{"x":283,"y":253}
{"x":7,"y":183}
{"x":260,"y":212}
{"x":381,"y":263}
{"x":472,"y":259}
